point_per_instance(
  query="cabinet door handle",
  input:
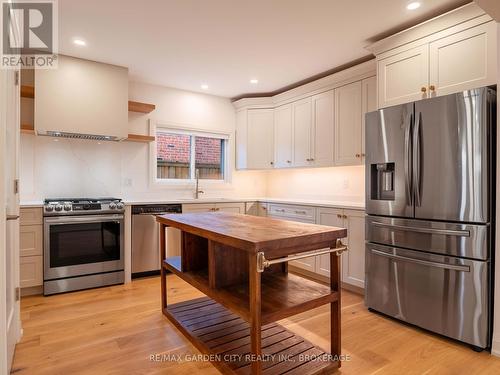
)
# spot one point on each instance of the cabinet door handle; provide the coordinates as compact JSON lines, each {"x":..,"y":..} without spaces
{"x":300,"y":212}
{"x":339,"y":216}
{"x":344,"y":216}
{"x":272,"y":162}
{"x":312,"y":159}
{"x":288,"y":161}
{"x":432,"y":88}
{"x":423,"y":89}
{"x":358,"y":155}
{"x":363,"y":155}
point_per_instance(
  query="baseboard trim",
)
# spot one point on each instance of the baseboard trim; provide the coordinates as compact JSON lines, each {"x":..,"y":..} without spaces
{"x":495,"y":348}
{"x":324,"y":279}
{"x":32,"y":291}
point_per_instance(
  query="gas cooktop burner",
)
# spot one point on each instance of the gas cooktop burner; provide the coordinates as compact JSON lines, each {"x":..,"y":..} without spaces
{"x":81,"y":206}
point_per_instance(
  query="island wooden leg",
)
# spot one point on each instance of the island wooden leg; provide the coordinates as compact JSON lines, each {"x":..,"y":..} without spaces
{"x":163,"y":271}
{"x":335,"y":306}
{"x":255,"y":313}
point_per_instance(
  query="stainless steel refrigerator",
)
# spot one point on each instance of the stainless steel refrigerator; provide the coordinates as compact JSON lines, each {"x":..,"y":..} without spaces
{"x":430,"y":205}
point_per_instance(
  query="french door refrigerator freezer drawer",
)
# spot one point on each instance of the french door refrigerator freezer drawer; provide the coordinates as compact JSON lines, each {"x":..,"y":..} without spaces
{"x":461,"y":240}
{"x":446,"y":295}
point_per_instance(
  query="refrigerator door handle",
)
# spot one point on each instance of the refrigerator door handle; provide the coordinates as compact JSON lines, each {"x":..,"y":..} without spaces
{"x":416,"y":159}
{"x":422,"y":262}
{"x":407,"y":162}
{"x":445,"y":232}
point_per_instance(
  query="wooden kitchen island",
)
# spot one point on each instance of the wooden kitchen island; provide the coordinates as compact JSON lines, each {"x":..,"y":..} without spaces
{"x":240,"y":263}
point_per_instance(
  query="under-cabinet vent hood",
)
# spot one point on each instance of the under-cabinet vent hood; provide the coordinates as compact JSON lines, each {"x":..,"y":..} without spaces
{"x":82,"y":99}
{"x":92,"y":137}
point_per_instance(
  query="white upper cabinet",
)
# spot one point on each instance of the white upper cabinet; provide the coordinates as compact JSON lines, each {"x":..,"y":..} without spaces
{"x":283,"y":136}
{"x":403,"y":77}
{"x":83,"y":97}
{"x":463,"y":60}
{"x":241,"y":139}
{"x":302,"y":129}
{"x":260,"y":134}
{"x":318,"y":124}
{"x":323,"y":127}
{"x":348,"y":113}
{"x":450,"y":53}
{"x":368,"y":104}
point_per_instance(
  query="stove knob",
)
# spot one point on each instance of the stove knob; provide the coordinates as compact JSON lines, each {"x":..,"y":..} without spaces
{"x":67,"y":207}
{"x":112,"y":205}
{"x":119,"y":205}
{"x":49,"y":208}
{"x":58,"y":207}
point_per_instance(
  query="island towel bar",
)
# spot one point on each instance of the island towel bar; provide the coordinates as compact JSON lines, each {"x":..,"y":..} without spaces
{"x":263,"y":263}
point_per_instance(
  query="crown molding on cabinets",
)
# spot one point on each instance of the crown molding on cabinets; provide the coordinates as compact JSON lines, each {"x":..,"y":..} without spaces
{"x":470,"y":13}
{"x":355,"y":73}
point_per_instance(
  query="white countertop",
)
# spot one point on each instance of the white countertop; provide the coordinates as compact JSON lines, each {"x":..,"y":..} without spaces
{"x":303,"y":202}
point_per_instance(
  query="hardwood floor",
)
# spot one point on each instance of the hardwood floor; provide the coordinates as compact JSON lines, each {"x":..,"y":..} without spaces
{"x":116,"y":330}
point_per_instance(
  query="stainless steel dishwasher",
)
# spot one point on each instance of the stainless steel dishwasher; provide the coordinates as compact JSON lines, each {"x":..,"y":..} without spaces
{"x":145,"y":238}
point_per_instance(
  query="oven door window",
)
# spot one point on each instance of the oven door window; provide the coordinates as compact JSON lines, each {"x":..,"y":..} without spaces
{"x":83,"y":243}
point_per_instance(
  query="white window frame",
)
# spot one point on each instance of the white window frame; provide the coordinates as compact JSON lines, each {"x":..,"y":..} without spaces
{"x":192,"y":131}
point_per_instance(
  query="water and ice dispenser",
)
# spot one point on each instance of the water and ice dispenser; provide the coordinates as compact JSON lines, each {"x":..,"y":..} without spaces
{"x":382,"y":181}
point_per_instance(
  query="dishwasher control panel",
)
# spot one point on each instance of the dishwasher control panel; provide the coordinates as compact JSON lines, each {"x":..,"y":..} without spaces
{"x":155,"y":209}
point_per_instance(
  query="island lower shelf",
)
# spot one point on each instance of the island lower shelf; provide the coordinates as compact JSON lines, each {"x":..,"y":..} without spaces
{"x":282,"y":294}
{"x":216,"y":331}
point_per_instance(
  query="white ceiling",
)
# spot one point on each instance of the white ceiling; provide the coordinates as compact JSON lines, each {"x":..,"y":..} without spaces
{"x":225,"y":43}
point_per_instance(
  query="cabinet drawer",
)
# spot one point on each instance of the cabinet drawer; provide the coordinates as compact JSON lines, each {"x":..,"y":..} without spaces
{"x":292,"y":212}
{"x":30,"y":240}
{"x":31,"y":271}
{"x":31,"y":216}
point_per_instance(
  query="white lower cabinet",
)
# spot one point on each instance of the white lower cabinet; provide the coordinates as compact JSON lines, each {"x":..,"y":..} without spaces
{"x":31,"y":247}
{"x":353,"y":261}
{"x":302,"y":214}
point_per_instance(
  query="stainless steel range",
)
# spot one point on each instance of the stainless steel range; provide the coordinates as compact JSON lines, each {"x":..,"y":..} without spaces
{"x":83,"y":243}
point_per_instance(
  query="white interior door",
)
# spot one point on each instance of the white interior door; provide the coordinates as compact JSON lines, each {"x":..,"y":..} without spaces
{"x":9,"y":223}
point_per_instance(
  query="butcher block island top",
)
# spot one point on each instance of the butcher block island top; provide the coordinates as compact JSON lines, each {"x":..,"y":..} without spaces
{"x":240,"y":263}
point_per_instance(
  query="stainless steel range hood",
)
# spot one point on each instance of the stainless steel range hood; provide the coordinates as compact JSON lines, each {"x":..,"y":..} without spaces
{"x":92,"y":137}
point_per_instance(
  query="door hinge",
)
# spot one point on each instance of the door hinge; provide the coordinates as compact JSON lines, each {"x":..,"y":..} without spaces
{"x":16,"y":186}
{"x":18,"y":293}
{"x":17,"y":77}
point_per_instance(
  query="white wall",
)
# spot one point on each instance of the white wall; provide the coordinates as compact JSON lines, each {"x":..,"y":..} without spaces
{"x":66,"y":167}
{"x":346,"y":184}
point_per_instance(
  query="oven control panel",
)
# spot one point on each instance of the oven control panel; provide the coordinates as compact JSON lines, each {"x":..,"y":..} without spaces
{"x":61,"y":207}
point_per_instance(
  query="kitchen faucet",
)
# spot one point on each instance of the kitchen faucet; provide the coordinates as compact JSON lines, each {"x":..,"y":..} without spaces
{"x":197,"y":191}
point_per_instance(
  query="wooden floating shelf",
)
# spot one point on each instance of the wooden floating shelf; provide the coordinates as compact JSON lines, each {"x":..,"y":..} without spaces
{"x":215,"y":330}
{"x":27,"y":129}
{"x":140,"y":138}
{"x":283,"y":294}
{"x":27,"y":91}
{"x":140,"y":107}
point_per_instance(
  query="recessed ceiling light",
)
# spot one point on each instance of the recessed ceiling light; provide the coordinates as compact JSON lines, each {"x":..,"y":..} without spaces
{"x":413,"y":5}
{"x":254,"y":81}
{"x":79,"y":42}
{"x":204,"y":86}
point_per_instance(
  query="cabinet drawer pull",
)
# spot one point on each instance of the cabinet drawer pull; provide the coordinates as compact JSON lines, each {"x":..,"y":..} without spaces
{"x":301,"y":212}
